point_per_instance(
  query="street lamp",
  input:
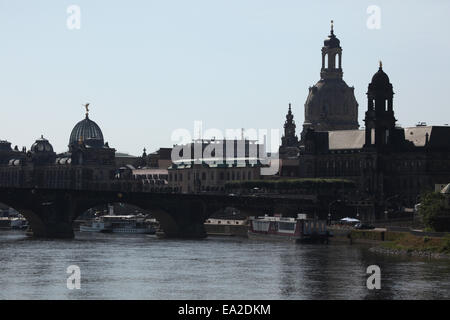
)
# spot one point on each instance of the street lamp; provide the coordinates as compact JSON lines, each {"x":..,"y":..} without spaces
{"x":329,"y":209}
{"x":386,"y":201}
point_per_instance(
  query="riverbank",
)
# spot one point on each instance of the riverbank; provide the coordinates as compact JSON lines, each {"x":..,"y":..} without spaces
{"x":409,"y":253}
{"x":412,"y":243}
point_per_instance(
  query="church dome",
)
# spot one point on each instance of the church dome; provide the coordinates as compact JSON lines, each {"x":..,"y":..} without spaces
{"x":380,"y":81}
{"x":41,"y":145}
{"x":88,"y":132}
{"x":332,"y":41}
{"x":331,"y":105}
{"x":380,"y":77}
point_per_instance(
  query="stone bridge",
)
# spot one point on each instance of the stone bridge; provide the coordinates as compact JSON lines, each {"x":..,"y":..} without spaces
{"x":51,"y":212}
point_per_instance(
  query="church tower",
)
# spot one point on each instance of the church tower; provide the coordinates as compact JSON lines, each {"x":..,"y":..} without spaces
{"x":331,"y":103}
{"x":289,"y":149}
{"x":380,"y":120}
{"x":331,"y":57}
{"x":289,"y":138}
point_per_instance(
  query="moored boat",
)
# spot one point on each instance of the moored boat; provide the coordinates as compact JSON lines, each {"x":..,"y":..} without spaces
{"x":16,"y":223}
{"x":300,"y":229}
{"x":19,"y":223}
{"x":118,"y":224}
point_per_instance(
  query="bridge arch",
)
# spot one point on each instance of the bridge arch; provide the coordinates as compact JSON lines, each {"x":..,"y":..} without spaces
{"x":51,"y":212}
{"x":35,"y":212}
{"x":34,"y":221}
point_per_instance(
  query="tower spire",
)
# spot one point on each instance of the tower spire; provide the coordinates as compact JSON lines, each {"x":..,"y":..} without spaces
{"x":332,"y":27}
{"x":289,"y":138}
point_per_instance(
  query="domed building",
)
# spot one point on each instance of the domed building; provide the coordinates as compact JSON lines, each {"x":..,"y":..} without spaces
{"x":390,"y":165}
{"x":41,"y":145}
{"x":331,"y":103}
{"x":42,"y":152}
{"x":87,"y":146}
{"x":88,"y":132}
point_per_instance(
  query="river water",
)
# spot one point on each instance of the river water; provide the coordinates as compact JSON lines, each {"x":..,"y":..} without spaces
{"x":144,"y":267}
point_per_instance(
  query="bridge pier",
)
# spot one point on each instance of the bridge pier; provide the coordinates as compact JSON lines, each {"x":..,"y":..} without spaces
{"x":52,"y":231}
{"x":51,"y":219}
{"x":192,"y":231}
{"x":49,"y":214}
{"x":182,"y":221}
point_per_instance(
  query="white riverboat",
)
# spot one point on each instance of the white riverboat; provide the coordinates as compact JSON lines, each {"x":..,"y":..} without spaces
{"x":118,"y":224}
{"x":18,"y":223}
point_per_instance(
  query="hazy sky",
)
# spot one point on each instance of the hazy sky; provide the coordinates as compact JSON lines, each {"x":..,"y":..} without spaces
{"x":150,"y":67}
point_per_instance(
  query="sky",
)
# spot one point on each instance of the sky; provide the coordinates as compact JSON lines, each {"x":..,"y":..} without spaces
{"x":150,"y":67}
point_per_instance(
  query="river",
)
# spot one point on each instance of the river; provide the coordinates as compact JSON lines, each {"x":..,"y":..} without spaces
{"x":144,"y":267}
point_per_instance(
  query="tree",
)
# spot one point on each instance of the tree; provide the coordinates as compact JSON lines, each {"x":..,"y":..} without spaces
{"x":435,"y":214}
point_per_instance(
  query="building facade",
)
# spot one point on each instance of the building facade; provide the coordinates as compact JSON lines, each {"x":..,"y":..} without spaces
{"x":89,"y":162}
{"x":194,"y":178}
{"x":391,"y":165}
{"x":207,"y":165}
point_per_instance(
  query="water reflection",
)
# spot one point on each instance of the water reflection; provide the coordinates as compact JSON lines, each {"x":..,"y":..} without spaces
{"x":143,"y":267}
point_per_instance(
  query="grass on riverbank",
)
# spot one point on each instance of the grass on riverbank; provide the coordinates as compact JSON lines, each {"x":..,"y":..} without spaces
{"x":410,"y":243}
